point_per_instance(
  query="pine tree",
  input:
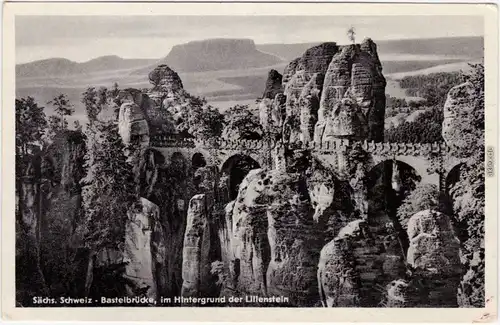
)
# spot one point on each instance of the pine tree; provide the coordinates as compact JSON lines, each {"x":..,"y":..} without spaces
{"x":63,"y":108}
{"x":109,"y":189}
{"x":30,"y":124}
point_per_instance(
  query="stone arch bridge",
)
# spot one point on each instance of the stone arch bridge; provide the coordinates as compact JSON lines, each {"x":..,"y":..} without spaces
{"x":422,"y":157}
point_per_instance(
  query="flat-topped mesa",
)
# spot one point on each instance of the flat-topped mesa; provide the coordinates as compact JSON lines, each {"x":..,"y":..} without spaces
{"x":353,"y":98}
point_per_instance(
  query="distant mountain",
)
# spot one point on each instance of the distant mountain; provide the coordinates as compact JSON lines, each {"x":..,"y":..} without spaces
{"x":64,"y":67}
{"x":469,"y":47}
{"x":218,"y":54}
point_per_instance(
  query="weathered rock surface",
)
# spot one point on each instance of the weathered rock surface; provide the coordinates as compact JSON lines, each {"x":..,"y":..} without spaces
{"x":196,"y":260}
{"x":433,"y":244}
{"x":338,"y":280}
{"x":272,"y":115}
{"x":155,"y":176}
{"x":314,"y":62}
{"x":458,"y":101}
{"x":354,"y":73}
{"x":404,"y":293}
{"x":434,"y":252}
{"x":275,"y":240}
{"x":294,"y":239}
{"x":30,"y":279}
{"x":133,"y":125}
{"x":142,"y":220}
{"x":331,"y":201}
{"x":309,"y":105}
{"x":250,"y":242}
{"x":273,"y":84}
{"x":169,"y":100}
{"x":357,"y":262}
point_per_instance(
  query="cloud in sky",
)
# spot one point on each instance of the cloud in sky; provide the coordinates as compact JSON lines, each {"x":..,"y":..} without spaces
{"x":81,"y":38}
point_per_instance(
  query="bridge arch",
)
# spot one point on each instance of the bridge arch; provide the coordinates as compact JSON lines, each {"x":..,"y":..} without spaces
{"x":198,"y":161}
{"x":388,"y":183}
{"x":452,"y":177}
{"x":234,"y":170}
{"x":420,"y":164}
{"x":393,"y":174}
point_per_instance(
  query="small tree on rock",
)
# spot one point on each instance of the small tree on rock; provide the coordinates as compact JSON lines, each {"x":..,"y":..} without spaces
{"x":351,"y":34}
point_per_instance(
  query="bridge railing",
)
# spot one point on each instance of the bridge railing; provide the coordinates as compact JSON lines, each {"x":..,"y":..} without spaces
{"x":175,"y":142}
{"x":376,"y":148}
{"x":380,"y":148}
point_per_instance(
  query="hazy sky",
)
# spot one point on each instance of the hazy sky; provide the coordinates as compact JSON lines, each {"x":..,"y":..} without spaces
{"x":81,"y":38}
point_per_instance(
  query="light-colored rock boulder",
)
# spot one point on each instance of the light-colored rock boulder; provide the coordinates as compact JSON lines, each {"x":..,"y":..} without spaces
{"x":356,"y":264}
{"x":309,"y":105}
{"x":458,"y":101}
{"x":196,"y":263}
{"x":435,"y":254}
{"x":132,"y":125}
{"x":249,"y":228}
{"x":354,"y":73}
{"x":433,"y":243}
{"x":137,"y":253}
{"x":294,"y":239}
{"x":338,"y":279}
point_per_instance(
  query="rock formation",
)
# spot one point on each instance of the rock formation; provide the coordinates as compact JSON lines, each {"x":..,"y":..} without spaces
{"x":294,"y":239}
{"x":353,"y":98}
{"x":457,"y":102}
{"x":297,"y":75}
{"x":273,"y":84}
{"x":250,"y":242}
{"x":198,"y":281}
{"x":132,"y":125}
{"x":355,"y":264}
{"x":169,"y":98}
{"x":434,"y":252}
{"x":309,"y":105}
{"x":142,"y":221}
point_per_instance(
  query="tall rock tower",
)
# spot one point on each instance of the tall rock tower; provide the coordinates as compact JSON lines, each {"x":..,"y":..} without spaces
{"x":352,"y":102}
{"x":334,"y":92}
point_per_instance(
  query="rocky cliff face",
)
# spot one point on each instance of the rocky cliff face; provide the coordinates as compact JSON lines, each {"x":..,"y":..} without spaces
{"x":303,"y":79}
{"x":353,"y":99}
{"x":331,"y":92}
{"x":435,"y":253}
{"x":273,"y":84}
{"x":142,"y":221}
{"x":457,"y":104}
{"x":334,"y":92}
{"x":196,"y":266}
{"x":49,"y":209}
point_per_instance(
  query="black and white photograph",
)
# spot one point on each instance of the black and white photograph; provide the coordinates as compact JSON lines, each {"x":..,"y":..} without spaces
{"x":318,"y":161}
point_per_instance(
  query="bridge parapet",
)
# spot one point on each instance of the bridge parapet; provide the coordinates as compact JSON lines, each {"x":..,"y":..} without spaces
{"x":375,"y":148}
{"x":221,"y":144}
{"x":382,"y":148}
